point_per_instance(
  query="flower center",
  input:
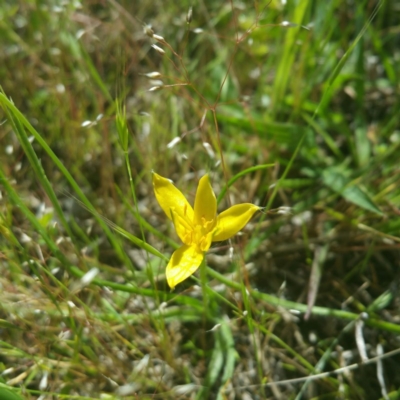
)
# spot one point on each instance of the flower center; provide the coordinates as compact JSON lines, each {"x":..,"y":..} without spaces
{"x":200,"y":235}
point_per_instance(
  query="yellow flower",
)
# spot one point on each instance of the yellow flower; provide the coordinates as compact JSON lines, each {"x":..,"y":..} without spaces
{"x":198,"y":227}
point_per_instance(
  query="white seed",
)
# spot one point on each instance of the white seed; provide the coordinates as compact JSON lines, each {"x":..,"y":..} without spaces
{"x":284,"y":210}
{"x":189,"y":15}
{"x":43,"y":381}
{"x":173,"y":142}
{"x":25,"y":238}
{"x":89,"y":276}
{"x":209,"y":150}
{"x":80,"y":33}
{"x":214,"y":328}
{"x":153,"y":75}
{"x":158,"y":49}
{"x":159,"y":38}
{"x":7,"y":371}
{"x":156,"y":82}
{"x":60,"y":88}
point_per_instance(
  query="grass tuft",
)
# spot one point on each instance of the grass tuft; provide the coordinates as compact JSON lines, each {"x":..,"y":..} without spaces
{"x":292,"y":107}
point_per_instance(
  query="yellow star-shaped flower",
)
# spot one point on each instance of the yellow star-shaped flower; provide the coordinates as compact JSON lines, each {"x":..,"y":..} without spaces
{"x":198,"y":227}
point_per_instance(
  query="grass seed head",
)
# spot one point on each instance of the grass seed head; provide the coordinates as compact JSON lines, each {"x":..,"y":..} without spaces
{"x":158,"y":49}
{"x":153,"y":75}
{"x":189,"y":15}
{"x":148,"y":30}
{"x":159,"y":38}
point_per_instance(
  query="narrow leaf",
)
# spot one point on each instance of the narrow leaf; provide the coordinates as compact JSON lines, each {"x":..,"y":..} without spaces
{"x":340,"y":184}
{"x":6,"y":394}
{"x":239,"y":175}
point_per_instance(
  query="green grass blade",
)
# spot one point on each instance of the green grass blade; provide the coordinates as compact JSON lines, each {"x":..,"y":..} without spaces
{"x":335,"y":73}
{"x":8,"y":394}
{"x":138,"y":242}
{"x":284,"y":69}
{"x":337,"y":182}
{"x":18,"y":115}
{"x":17,"y":123}
{"x":239,"y":175}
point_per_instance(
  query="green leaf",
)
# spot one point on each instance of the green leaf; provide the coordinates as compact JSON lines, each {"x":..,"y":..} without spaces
{"x":230,"y":353}
{"x":289,"y":51}
{"x":214,"y":367}
{"x":382,"y":301}
{"x":355,"y":195}
{"x":23,"y":124}
{"x":6,"y":394}
{"x":363,"y":145}
{"x":335,"y":73}
{"x":122,"y":126}
{"x":281,"y":132}
{"x":296,"y":183}
{"x":340,"y":184}
{"x":8,"y":325}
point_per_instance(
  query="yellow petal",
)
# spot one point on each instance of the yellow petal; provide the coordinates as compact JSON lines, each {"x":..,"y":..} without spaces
{"x":232,"y":220}
{"x":174,"y":204}
{"x":183,"y":263}
{"x":205,"y":204}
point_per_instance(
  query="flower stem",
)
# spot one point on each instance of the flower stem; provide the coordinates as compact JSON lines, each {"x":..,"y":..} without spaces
{"x":203,"y":280}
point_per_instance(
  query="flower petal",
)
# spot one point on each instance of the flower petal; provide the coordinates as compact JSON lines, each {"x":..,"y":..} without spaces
{"x":174,"y":204}
{"x":205,"y":204}
{"x":183,"y":263}
{"x":232,"y":220}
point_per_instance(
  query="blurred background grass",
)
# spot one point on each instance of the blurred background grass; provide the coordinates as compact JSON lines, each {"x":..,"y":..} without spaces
{"x":292,"y":105}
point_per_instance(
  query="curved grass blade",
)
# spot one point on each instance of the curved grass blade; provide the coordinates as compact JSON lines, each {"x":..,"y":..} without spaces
{"x":7,"y":104}
{"x":7,"y":394}
{"x":239,"y":175}
{"x":336,"y":181}
{"x":32,"y":219}
{"x":138,"y":242}
{"x":327,"y":92}
{"x":17,"y":124}
{"x":135,"y":240}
